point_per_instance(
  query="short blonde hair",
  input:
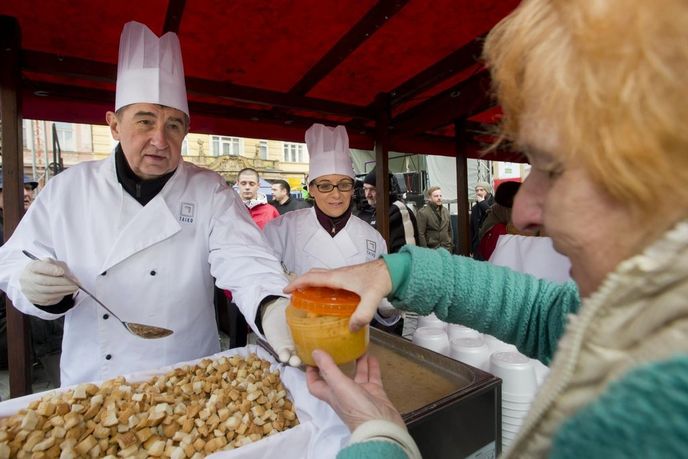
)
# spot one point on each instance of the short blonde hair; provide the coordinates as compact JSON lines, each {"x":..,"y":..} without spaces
{"x":611,"y":75}
{"x":431,"y":190}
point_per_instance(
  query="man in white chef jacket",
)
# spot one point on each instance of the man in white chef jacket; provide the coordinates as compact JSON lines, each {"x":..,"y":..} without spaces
{"x":327,"y":235}
{"x":144,"y":231}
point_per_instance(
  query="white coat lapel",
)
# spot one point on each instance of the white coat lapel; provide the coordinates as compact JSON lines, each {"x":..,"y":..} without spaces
{"x":152,"y":224}
{"x":331,"y":252}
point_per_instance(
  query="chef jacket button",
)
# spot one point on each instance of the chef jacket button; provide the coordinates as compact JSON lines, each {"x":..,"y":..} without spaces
{"x":106,"y":316}
{"x":104,"y":273}
{"x":153,"y":273}
{"x":108,"y":357}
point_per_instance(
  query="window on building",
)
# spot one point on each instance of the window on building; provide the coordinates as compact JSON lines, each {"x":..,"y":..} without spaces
{"x":263,"y":149}
{"x":65,"y":135}
{"x":293,"y":152}
{"x":27,"y":134}
{"x":226,"y":146}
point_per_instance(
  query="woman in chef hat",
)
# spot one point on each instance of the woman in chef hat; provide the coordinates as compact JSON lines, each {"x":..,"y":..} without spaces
{"x":328,"y":235}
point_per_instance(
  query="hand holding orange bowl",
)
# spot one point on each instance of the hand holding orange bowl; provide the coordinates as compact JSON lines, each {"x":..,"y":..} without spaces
{"x":318,"y":318}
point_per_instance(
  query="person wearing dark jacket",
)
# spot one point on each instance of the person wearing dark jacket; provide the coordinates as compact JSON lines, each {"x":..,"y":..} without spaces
{"x":403,"y":228}
{"x":282,"y":200}
{"x":434,"y":223}
{"x":483,"y":202}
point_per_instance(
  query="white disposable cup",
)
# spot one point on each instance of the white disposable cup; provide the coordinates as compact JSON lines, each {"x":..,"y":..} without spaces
{"x":459,"y":331}
{"x":541,"y":371}
{"x":516,"y":406}
{"x":517,"y":398}
{"x":432,"y":338}
{"x":508,"y":435}
{"x":515,"y":422}
{"x":497,"y":345}
{"x":472,"y":351}
{"x":510,"y":429}
{"x":431,"y":321}
{"x":517,"y":373}
{"x":514,"y":414}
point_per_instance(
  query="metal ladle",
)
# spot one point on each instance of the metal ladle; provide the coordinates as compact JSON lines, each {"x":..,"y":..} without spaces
{"x":141,"y":330}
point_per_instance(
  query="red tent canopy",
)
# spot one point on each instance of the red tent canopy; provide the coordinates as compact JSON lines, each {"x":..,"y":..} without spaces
{"x":270,"y":68}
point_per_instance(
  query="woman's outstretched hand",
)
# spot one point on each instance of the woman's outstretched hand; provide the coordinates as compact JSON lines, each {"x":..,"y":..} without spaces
{"x":355,"y":400}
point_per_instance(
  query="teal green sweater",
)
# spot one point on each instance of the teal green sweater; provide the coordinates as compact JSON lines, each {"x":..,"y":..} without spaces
{"x":629,"y":420}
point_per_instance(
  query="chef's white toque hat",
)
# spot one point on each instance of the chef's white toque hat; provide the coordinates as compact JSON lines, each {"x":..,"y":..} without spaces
{"x":150,"y":69}
{"x":328,"y":149}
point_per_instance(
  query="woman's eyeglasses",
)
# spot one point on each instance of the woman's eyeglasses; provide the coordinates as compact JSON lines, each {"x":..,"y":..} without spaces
{"x":327,"y":187}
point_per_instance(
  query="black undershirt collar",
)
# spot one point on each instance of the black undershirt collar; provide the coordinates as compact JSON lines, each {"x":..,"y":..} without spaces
{"x":141,"y":190}
{"x":332,"y":225}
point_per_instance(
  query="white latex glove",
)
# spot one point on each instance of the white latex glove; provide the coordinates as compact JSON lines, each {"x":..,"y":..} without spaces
{"x":277,"y":331}
{"x":46,"y":282}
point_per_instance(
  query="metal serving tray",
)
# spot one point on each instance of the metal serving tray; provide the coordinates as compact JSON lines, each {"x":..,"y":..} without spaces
{"x":451,"y":409}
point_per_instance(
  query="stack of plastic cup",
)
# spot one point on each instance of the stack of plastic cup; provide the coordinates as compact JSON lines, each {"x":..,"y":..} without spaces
{"x":432,"y":338}
{"x":472,"y":351}
{"x":519,"y":385}
{"x":431,"y":321}
{"x":460,"y":331}
{"x":497,"y":345}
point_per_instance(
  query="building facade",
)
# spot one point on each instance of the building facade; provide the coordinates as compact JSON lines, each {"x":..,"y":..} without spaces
{"x":53,"y":146}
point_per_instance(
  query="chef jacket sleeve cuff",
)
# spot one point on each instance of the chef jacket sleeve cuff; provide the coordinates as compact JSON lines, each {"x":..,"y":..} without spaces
{"x":382,"y":430}
{"x":62,"y":307}
{"x":399,"y":267}
{"x":259,"y":315}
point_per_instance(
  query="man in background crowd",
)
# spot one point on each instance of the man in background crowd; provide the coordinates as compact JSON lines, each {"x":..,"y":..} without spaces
{"x":282,"y":200}
{"x":434,"y":224}
{"x":483,"y":201}
{"x":403,"y":228}
{"x":29,"y":189}
{"x":256,"y":202}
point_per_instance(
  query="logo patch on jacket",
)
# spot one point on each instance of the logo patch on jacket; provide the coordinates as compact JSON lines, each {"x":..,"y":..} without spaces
{"x":186,"y":212}
{"x":371,"y":247}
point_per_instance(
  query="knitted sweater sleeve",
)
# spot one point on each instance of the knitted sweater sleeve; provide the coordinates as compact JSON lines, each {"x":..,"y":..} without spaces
{"x":372,"y":450}
{"x":644,"y":414}
{"x":514,"y":307}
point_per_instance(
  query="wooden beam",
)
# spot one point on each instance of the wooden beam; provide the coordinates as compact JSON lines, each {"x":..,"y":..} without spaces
{"x":357,"y":35}
{"x":455,"y":62}
{"x":67,"y":92}
{"x":467,"y":98}
{"x":74,"y":67}
{"x":382,"y":167}
{"x":173,"y":17}
{"x":273,"y":98}
{"x":18,"y":338}
{"x":463,"y":225}
{"x":66,"y":66}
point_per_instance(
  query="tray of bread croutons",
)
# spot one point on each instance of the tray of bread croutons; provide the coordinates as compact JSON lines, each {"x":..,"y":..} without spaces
{"x":192,"y":410}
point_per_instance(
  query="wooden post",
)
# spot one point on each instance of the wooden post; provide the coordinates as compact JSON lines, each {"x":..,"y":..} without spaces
{"x":463,"y":226}
{"x":382,"y":166}
{"x":13,"y":192}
